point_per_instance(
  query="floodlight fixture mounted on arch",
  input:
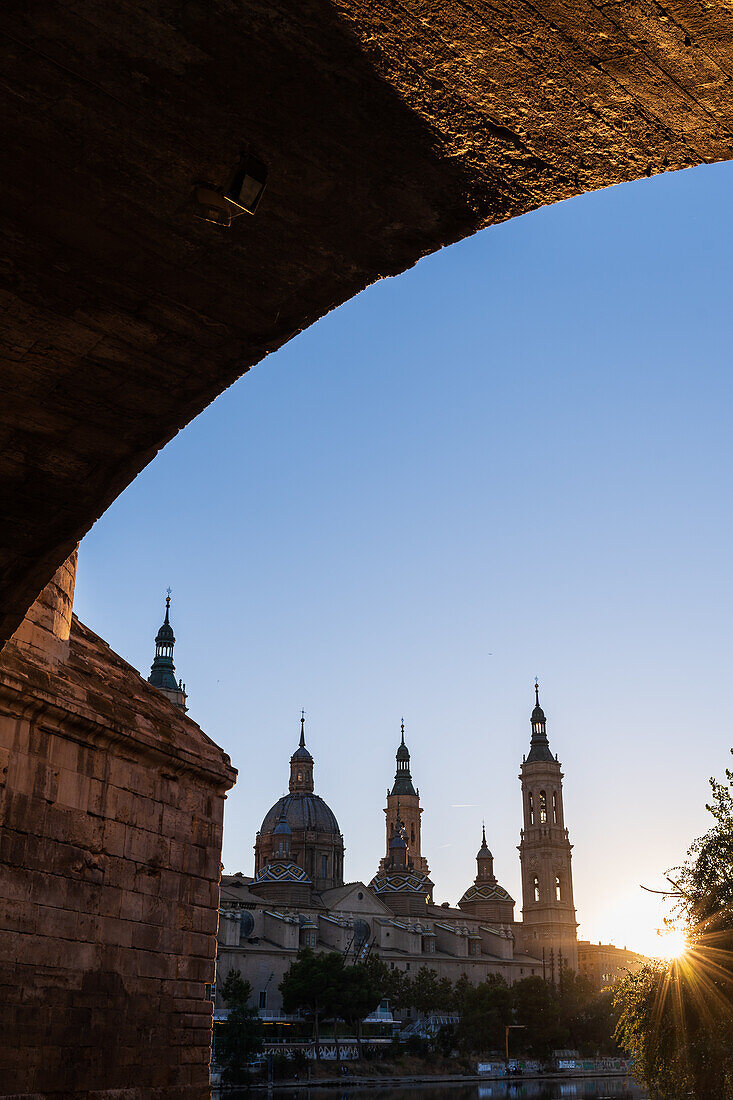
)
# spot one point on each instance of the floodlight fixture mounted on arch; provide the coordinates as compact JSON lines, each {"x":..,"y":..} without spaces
{"x":242,"y":195}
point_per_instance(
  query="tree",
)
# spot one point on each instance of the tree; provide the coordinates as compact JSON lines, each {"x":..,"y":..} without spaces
{"x":593,"y":1026}
{"x":398,"y":989}
{"x":313,"y":985}
{"x":536,"y":1009}
{"x":361,"y":994}
{"x":487,"y":1009}
{"x":461,"y":990}
{"x":676,"y":1018}
{"x":429,"y":993}
{"x":241,"y":1035}
{"x":574,"y":993}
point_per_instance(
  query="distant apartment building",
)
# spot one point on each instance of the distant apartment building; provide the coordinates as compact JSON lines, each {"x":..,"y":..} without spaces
{"x":603,"y":964}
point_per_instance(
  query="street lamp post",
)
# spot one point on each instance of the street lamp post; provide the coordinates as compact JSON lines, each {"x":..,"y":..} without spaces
{"x":507,"y":1029}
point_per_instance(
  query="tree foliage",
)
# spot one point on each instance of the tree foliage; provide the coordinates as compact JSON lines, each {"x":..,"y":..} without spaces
{"x":537,"y":1011}
{"x":676,"y":1019}
{"x":546,"y":1017}
{"x":397,"y":988}
{"x":486,"y":1010}
{"x":361,"y":994}
{"x":241,"y":1035}
{"x":429,"y":993}
{"x":313,"y":985}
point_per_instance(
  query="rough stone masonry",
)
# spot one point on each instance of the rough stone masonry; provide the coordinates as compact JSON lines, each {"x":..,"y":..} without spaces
{"x":111,"y":807}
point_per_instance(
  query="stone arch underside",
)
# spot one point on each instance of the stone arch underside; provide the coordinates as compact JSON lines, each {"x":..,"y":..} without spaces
{"x":389,"y":128}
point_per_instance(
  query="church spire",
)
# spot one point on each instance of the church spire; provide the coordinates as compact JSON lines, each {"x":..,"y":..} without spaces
{"x":301,"y":764}
{"x":162,"y":670}
{"x":403,"y":779}
{"x":539,"y":745}
{"x":484,"y":860}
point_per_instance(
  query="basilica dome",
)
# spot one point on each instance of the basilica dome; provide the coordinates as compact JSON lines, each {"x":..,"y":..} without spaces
{"x":302,"y":810}
{"x":302,"y":828}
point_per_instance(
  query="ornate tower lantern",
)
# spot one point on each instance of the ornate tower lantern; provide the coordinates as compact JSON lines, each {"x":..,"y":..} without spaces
{"x":162,"y":671}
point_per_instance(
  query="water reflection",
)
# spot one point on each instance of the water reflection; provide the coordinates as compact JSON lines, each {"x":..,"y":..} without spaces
{"x":595,"y":1089}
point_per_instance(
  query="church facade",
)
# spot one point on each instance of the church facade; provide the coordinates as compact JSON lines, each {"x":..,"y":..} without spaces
{"x":297,"y":896}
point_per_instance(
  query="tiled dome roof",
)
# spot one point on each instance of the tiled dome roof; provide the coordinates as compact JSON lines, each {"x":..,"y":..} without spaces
{"x":281,"y":870}
{"x":486,"y":892}
{"x":401,"y":882}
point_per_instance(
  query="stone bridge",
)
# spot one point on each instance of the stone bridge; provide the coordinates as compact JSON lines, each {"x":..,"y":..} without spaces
{"x":389,"y":128}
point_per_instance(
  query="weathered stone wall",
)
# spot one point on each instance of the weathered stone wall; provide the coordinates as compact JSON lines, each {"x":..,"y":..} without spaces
{"x":111,"y":807}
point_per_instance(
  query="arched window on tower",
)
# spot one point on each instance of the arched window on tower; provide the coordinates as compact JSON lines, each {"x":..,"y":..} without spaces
{"x":554,"y":808}
{"x":536,"y":888}
{"x":543,"y":808}
{"x":558,"y":889}
{"x":531,"y":808}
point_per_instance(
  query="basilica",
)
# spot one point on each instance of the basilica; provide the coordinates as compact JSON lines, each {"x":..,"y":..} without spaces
{"x":297,"y":896}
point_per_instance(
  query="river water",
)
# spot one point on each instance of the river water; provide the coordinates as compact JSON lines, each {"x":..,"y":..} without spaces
{"x":606,"y":1088}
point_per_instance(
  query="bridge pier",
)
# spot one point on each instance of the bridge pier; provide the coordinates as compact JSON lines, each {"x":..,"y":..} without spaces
{"x":111,"y":808}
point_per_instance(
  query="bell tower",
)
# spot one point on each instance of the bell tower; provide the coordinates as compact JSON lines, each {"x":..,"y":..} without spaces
{"x":403,"y":810}
{"x":162,"y":670}
{"x":549,"y":928}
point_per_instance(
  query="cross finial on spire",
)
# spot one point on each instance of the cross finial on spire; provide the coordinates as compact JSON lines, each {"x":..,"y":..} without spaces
{"x":168,"y":602}
{"x":302,"y":729}
{"x":402,"y":728}
{"x":537,"y":691}
{"x":483,"y":832}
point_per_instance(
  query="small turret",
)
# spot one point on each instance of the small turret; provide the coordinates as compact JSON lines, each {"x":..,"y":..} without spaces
{"x":485,"y":861}
{"x":162,"y":670}
{"x":283,"y":835}
{"x":539,"y":747}
{"x":398,"y":849}
{"x":301,"y":763}
{"x":403,"y":779}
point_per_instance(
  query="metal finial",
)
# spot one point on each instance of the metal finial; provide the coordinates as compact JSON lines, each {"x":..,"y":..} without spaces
{"x":302,"y":729}
{"x":537,"y":690}
{"x":483,"y":832}
{"x":402,"y":727}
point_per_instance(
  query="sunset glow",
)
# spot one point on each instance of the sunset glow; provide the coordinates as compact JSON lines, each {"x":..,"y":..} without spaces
{"x":672,"y":944}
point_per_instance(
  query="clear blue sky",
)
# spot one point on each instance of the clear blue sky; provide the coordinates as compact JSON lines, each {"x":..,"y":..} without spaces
{"x":512,"y":461}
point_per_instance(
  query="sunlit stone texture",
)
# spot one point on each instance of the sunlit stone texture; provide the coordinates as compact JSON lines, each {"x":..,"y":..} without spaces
{"x":111,"y":806}
{"x":388,"y":131}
